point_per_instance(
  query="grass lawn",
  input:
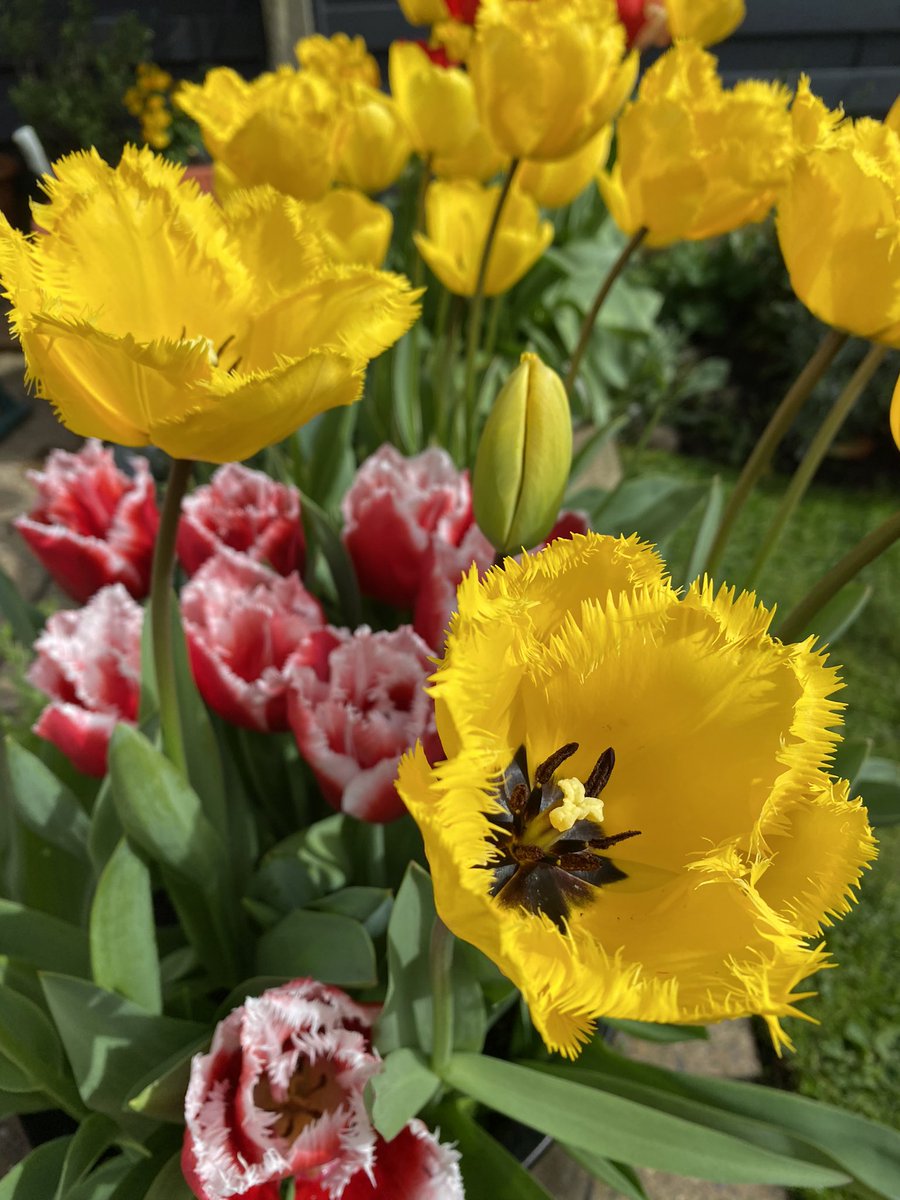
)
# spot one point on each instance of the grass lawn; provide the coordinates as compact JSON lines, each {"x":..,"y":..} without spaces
{"x":852,"y":1058}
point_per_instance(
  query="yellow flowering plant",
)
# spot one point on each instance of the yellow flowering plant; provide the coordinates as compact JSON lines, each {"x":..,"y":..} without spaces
{"x":423,"y":776}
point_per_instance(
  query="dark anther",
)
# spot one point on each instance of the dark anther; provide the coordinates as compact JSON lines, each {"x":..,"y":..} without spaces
{"x":604,"y":843}
{"x":225,"y":344}
{"x":582,"y":860}
{"x":518,"y":798}
{"x":549,"y":766}
{"x":234,"y":366}
{"x":528,"y":854}
{"x":599,"y":776}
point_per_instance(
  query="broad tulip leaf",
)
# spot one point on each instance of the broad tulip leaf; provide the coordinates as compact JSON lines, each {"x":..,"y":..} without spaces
{"x":103,"y":1183}
{"x":850,"y":756}
{"x":621,"y":1179}
{"x":106,"y":828}
{"x":649,"y":1031}
{"x":42,"y":941}
{"x":161,"y":1096}
{"x":407,"y":416}
{"x":325,"y":946}
{"x":322,"y":535}
{"x":652,"y":505}
{"x":44,"y":803}
{"x":489,"y":1171}
{"x":330,"y":456}
{"x":613,"y":1127}
{"x":169,"y":1184}
{"x":124,"y":958}
{"x":400,"y":1091}
{"x":110,"y":1042}
{"x":369,"y":905}
{"x":29,"y":1041}
{"x":833,"y":620}
{"x":706,"y":530}
{"x":879,"y":784}
{"x":93,"y":1138}
{"x":36,"y":1177}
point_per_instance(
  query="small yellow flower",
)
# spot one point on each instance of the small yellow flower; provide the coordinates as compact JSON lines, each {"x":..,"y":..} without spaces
{"x":375,"y":145}
{"x":424,"y":12}
{"x":548,"y":75}
{"x":152,"y":78}
{"x":457,"y":217}
{"x":339,"y":59}
{"x":704,"y":21}
{"x":556,"y":184}
{"x":148,"y":314}
{"x":838,"y":221}
{"x":694,"y":160}
{"x":354,"y":228}
{"x":133,"y":100}
{"x":282,"y":129}
{"x":697,"y":890}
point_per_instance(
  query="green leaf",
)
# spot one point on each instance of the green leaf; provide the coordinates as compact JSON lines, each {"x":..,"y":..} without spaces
{"x":161,"y":1094}
{"x":94,"y":1137}
{"x":43,"y":941}
{"x":322,"y":945}
{"x":109,"y":1041}
{"x":169,"y":1184}
{"x":102,"y":1183}
{"x":850,"y":757}
{"x":652,"y":505}
{"x":621,"y":1179}
{"x":330,"y":455}
{"x":36,"y":1177}
{"x":24,"y":619}
{"x":370,"y":906}
{"x":610,"y":1126}
{"x":706,"y":531}
{"x":322,"y":534}
{"x":879,"y":783}
{"x":834,"y":619}
{"x":400,"y":1091}
{"x":106,"y":828}
{"x":406,"y":412}
{"x":649,"y":1031}
{"x":124,"y":958}
{"x":489,"y":1172}
{"x":29,"y":1041}
{"x":43,"y":803}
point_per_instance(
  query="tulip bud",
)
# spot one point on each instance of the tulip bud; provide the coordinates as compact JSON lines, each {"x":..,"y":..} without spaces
{"x":524,"y":458}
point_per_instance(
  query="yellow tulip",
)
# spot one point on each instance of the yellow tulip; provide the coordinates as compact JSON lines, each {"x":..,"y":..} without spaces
{"x":524,"y":459}
{"x":437,"y":102}
{"x":148,"y":314}
{"x":354,"y":228}
{"x":282,"y":129}
{"x":704,"y":21}
{"x":636,"y":816}
{"x":424,"y":12}
{"x":456,"y":39}
{"x":895,"y":414}
{"x":892,"y":120}
{"x":339,"y":59}
{"x":548,"y":75}
{"x":838,"y":222}
{"x":556,"y":184}
{"x":694,"y":160}
{"x":457,"y":218}
{"x":375,"y":145}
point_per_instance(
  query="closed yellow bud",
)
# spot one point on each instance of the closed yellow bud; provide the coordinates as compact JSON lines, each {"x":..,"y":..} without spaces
{"x":704,"y":21}
{"x":375,"y":145}
{"x":556,"y":184}
{"x":457,"y":218}
{"x":424,"y":12}
{"x":354,"y":228}
{"x":694,"y":160}
{"x":549,"y":75}
{"x":339,"y":59}
{"x":524,"y":458}
{"x":838,"y":225}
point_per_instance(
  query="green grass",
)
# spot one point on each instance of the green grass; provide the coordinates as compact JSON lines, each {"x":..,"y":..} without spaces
{"x":852,"y":1057}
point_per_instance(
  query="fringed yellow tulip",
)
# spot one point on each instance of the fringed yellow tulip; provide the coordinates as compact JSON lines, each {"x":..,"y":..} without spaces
{"x":457,"y":218}
{"x":838,"y":222}
{"x":281,"y":129}
{"x":339,"y":59}
{"x":704,"y":21}
{"x":556,"y":184}
{"x":694,"y":160}
{"x":148,"y":314}
{"x":548,"y":75}
{"x":375,"y":145}
{"x":354,"y":228}
{"x":635,"y":818}
{"x":424,"y":12}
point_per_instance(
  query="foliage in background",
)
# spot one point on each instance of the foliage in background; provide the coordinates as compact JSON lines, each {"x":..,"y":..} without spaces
{"x":72,"y":73}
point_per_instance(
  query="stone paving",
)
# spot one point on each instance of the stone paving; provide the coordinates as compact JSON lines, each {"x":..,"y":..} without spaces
{"x":730,"y":1052}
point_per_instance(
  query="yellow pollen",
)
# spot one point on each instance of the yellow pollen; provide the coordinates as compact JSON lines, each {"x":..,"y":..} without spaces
{"x":575,"y":806}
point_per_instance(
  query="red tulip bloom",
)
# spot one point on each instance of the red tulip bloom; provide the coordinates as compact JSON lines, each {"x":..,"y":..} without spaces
{"x":357,"y":703}
{"x":93,"y":525}
{"x":242,"y":623}
{"x":89,"y":663}
{"x":243,"y":510}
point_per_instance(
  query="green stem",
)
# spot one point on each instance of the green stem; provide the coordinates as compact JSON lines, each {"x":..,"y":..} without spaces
{"x":813,"y":457}
{"x":444,"y":423}
{"x":770,"y":439}
{"x":493,"y":326}
{"x":418,"y":270}
{"x":440,"y":964}
{"x":866,"y":550}
{"x":476,"y":308}
{"x":161,"y":613}
{"x":590,"y":320}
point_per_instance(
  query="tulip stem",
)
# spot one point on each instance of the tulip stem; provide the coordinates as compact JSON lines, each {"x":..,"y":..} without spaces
{"x":440,"y":968}
{"x":814,"y":455}
{"x":770,"y":439}
{"x":476,"y":308}
{"x":418,"y":270}
{"x":590,"y":320}
{"x":866,"y":550}
{"x":161,"y":613}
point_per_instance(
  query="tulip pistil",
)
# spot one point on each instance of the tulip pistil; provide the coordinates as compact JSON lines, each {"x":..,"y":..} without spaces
{"x":312,"y":1091}
{"x":548,"y":837}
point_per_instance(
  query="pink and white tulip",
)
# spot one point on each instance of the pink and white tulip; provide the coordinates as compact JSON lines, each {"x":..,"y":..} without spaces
{"x":242,"y":622}
{"x":89,"y":663}
{"x":243,"y":510}
{"x":93,"y":525}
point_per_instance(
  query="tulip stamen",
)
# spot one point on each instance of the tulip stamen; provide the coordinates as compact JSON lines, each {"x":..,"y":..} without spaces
{"x":307,"y":1098}
{"x":547,"y":835}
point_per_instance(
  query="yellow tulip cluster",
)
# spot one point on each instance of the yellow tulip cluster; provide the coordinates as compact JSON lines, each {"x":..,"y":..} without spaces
{"x":148,"y":100}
